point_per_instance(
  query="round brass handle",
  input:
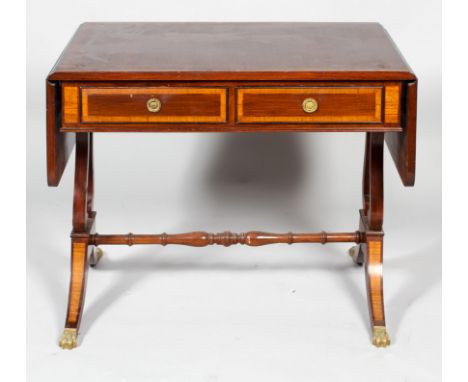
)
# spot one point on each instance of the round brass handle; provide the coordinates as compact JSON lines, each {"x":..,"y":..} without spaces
{"x":153,"y":105}
{"x":310,"y":105}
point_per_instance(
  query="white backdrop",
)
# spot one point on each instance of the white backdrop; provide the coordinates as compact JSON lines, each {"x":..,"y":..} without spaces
{"x":276,"y":313}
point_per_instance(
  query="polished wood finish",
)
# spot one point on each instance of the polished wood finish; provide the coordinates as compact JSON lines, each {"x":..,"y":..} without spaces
{"x":233,"y":55}
{"x":227,"y":238}
{"x":83,"y":226}
{"x":392,"y":103}
{"x":178,"y":105}
{"x":231,"y":51}
{"x":402,"y":146}
{"x":335,"y":104}
{"x":229,"y":127}
{"x":79,"y":267}
{"x":82,"y":178}
{"x":370,"y":251}
{"x":70,"y":104}
{"x":231,"y":77}
{"x":374,"y":178}
{"x":349,"y":107}
{"x":374,"y":279}
{"x":59,"y":144}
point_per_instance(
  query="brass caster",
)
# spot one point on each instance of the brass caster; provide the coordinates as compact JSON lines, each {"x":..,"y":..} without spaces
{"x":352,"y":251}
{"x":355,"y":254}
{"x":96,"y":255}
{"x":380,"y":337}
{"x":68,"y":339}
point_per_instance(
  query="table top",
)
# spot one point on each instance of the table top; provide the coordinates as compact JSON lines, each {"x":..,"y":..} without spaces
{"x":231,"y":51}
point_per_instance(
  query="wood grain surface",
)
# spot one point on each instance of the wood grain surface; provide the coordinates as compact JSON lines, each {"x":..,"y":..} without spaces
{"x":375,"y":280}
{"x":335,"y":104}
{"x":231,"y":51}
{"x":178,"y":105}
{"x":402,"y":146}
{"x":71,"y":104}
{"x":76,"y":296}
{"x":59,"y":144}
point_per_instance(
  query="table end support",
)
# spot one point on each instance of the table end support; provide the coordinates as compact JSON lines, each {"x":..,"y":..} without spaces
{"x":370,"y":251}
{"x":83,"y":226}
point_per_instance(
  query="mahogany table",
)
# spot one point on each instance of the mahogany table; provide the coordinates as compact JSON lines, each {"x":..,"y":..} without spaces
{"x":230,"y":77}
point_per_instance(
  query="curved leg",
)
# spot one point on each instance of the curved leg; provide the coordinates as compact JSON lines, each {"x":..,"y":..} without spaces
{"x":374,"y":282}
{"x":83,"y":219}
{"x":371,"y":251}
{"x":76,"y":295}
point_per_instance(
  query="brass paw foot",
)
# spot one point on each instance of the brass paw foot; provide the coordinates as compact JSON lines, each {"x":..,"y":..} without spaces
{"x":380,"y":337}
{"x":95,"y":256}
{"x":68,"y":338}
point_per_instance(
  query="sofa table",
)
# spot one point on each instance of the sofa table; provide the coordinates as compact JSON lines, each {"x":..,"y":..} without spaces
{"x":230,"y":78}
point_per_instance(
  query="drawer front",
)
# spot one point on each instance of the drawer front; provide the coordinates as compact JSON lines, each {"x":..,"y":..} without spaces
{"x":152,"y":105}
{"x":310,"y":105}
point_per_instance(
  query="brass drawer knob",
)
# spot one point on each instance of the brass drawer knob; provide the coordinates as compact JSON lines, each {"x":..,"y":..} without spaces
{"x":153,"y":105}
{"x":310,"y":105}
